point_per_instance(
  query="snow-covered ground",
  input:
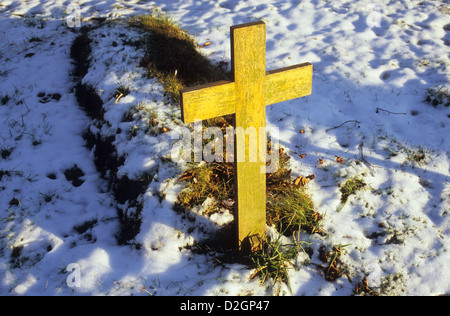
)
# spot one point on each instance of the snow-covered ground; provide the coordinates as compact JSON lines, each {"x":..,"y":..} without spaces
{"x":373,"y":63}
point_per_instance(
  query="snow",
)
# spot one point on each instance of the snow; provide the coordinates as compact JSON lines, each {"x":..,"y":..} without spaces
{"x":366,"y":56}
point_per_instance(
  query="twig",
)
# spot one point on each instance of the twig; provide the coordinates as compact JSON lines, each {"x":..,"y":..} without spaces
{"x":368,"y":164}
{"x":380,"y":109}
{"x":342,"y":124}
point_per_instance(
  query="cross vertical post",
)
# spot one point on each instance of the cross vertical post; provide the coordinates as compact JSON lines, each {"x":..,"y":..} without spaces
{"x":251,"y":90}
{"x":248,"y":63}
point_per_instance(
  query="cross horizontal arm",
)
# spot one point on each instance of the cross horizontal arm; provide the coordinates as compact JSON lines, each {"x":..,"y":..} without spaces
{"x":208,"y":101}
{"x":288,"y":83}
{"x":218,"y":98}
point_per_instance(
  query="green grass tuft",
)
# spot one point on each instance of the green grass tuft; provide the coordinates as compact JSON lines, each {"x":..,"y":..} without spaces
{"x":274,"y":261}
{"x":290,"y":210}
{"x":350,"y":187}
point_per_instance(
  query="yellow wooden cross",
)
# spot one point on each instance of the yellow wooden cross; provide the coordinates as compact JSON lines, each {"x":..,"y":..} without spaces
{"x":246,"y":97}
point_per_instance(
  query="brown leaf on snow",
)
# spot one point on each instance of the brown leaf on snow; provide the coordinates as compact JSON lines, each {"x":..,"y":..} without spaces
{"x":302,"y":181}
{"x":340,"y":159}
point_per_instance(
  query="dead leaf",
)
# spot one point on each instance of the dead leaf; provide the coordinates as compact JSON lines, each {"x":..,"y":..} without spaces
{"x":340,"y":159}
{"x":302,"y":131}
{"x":320,"y":161}
{"x":302,"y":181}
{"x":206,"y":44}
{"x":302,"y":156}
{"x":316,"y":216}
{"x":186,"y":176}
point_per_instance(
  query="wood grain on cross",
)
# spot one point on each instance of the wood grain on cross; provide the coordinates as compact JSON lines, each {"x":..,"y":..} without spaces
{"x":246,"y":96}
